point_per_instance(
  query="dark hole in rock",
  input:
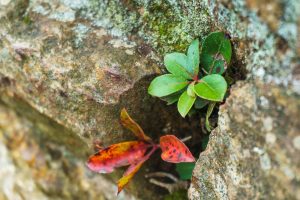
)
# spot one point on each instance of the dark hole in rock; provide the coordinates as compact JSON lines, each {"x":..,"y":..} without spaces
{"x":157,"y":119}
{"x":236,"y":71}
{"x":5,"y":81}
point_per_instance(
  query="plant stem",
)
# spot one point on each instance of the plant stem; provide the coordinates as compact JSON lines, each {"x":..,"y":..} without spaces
{"x":208,"y":113}
{"x":162,"y":174}
{"x":204,"y":71}
{"x":154,"y":147}
{"x":186,"y":139}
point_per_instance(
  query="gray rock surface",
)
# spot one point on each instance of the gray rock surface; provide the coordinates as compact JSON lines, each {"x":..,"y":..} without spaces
{"x":30,"y":170}
{"x":67,"y":67}
{"x":254,"y":151}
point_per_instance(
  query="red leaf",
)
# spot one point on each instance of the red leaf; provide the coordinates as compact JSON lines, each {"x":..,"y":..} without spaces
{"x":129,"y":123}
{"x":129,"y":173}
{"x":117,"y":155}
{"x":174,"y":151}
{"x":132,"y":169}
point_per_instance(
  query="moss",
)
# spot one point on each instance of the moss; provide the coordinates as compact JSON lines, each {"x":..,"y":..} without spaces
{"x":166,"y":26}
{"x":106,"y":13}
{"x":171,"y":26}
{"x":177,"y":195}
{"x":27,"y":20}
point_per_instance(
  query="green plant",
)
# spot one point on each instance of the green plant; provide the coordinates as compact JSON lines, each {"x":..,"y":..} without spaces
{"x":195,"y":78}
{"x":185,"y":170}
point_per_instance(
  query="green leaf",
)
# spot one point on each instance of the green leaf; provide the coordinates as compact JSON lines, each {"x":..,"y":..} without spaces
{"x":200,"y":103}
{"x":216,"y":48}
{"x":211,"y":65}
{"x":208,"y":113}
{"x":177,"y":64}
{"x":217,"y":43}
{"x":166,"y":84}
{"x":172,"y":98}
{"x":185,"y":103}
{"x":190,"y":90}
{"x":211,"y":87}
{"x":193,"y":57}
{"x":206,"y":62}
{"x":185,"y":170}
{"x":219,"y":67}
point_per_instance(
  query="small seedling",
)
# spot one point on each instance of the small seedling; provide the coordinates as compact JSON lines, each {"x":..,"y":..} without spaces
{"x":135,"y":153}
{"x":196,"y":78}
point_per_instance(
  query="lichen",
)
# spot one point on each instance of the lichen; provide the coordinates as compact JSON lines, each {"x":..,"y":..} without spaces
{"x":164,"y":24}
{"x":77,"y":89}
{"x":80,"y":34}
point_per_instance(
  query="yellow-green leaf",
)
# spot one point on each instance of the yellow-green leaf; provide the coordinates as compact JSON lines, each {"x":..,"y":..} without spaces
{"x":185,"y":103}
{"x":166,"y":84}
{"x":129,"y":123}
{"x":128,"y":175}
{"x":193,"y":57}
{"x":211,"y":87}
{"x":177,"y":64}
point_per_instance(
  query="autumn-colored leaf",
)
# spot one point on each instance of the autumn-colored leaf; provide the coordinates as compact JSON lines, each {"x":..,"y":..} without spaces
{"x":135,"y":153}
{"x":130,"y":172}
{"x":117,"y":155}
{"x":174,"y":150}
{"x":129,"y":123}
{"x":133,"y":168}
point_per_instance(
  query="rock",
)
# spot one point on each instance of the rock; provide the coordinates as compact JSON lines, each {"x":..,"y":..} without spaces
{"x":32,"y":171}
{"x":252,"y":153}
{"x":76,"y":85}
{"x":68,"y":67}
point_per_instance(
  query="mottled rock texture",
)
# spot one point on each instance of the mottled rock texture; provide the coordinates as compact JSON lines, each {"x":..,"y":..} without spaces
{"x":254,"y":151}
{"x":30,"y":170}
{"x":67,"y":67}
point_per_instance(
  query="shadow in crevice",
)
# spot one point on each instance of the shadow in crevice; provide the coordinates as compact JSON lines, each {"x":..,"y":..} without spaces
{"x":236,"y":71}
{"x":158,"y":119}
{"x":155,"y":116}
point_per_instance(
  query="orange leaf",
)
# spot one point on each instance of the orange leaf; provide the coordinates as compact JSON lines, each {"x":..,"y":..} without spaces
{"x":174,"y":150}
{"x":129,"y":173}
{"x":133,"y":126}
{"x":117,"y":155}
{"x":133,"y":168}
